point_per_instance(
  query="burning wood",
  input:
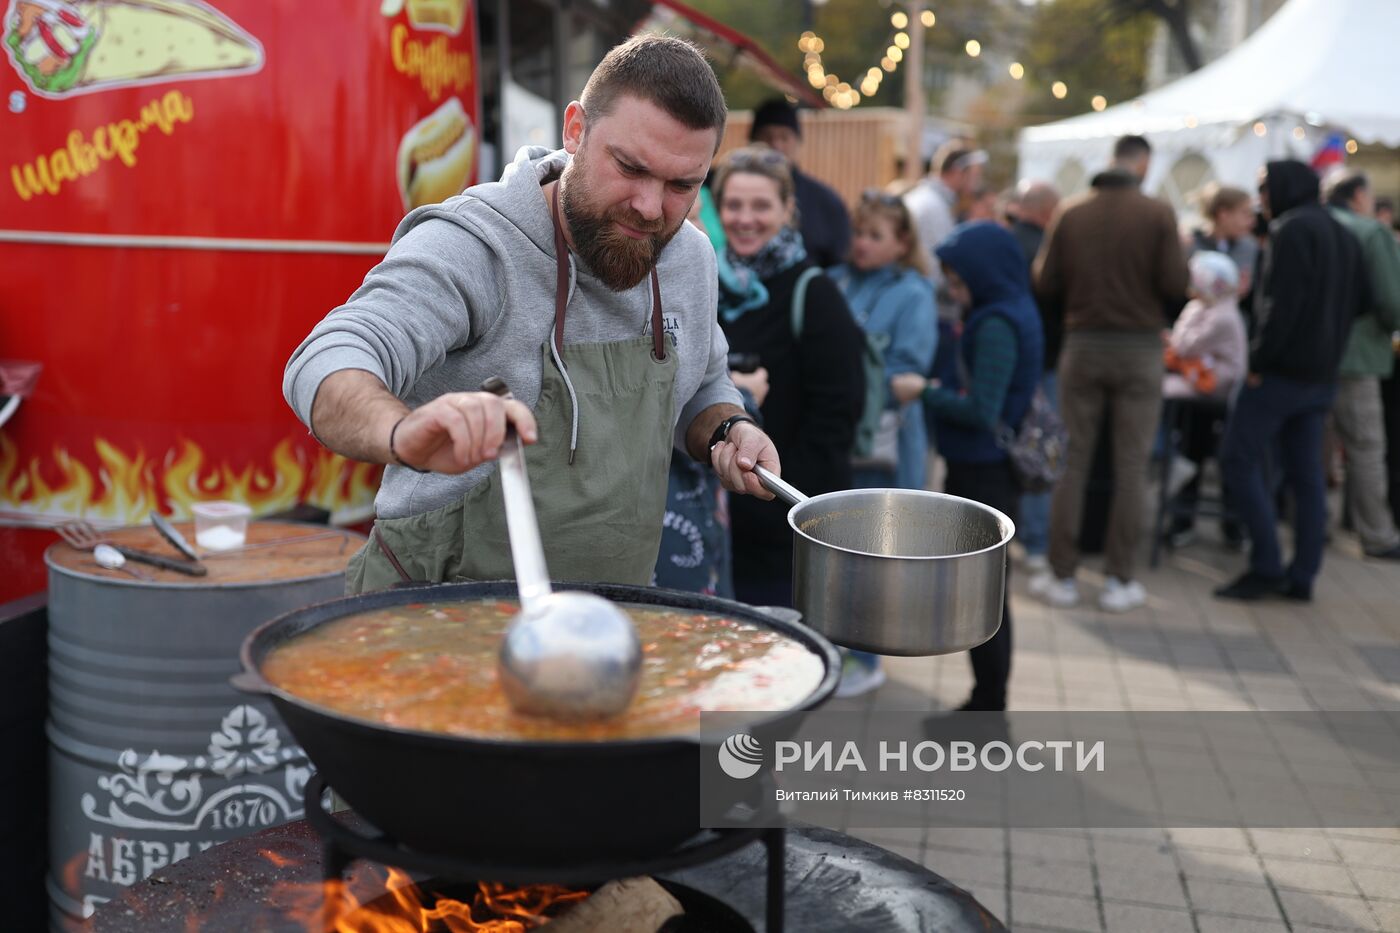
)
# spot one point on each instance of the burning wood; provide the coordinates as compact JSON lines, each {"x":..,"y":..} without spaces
{"x":629,"y":905}
{"x":633,"y":905}
{"x":495,"y":908}
{"x":405,"y":908}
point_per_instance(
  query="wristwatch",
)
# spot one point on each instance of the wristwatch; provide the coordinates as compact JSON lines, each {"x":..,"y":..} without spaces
{"x":722,"y":432}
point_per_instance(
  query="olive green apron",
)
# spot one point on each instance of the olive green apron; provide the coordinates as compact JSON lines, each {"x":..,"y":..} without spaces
{"x":600,"y":506}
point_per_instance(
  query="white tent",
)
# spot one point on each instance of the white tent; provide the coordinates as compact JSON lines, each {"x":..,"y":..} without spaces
{"x":1316,"y":67}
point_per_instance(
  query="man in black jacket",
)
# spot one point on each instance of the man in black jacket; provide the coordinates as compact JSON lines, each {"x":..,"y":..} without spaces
{"x":824,"y":220}
{"x":1311,"y":289}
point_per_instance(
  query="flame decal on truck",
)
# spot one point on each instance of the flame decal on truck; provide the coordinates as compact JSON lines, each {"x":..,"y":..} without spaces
{"x":124,"y":486}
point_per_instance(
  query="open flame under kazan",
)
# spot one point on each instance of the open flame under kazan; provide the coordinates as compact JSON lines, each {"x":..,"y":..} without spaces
{"x":330,"y":907}
{"x":123,"y":487}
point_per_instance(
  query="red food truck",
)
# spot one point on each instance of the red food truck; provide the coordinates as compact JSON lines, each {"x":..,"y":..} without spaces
{"x":185,"y":189}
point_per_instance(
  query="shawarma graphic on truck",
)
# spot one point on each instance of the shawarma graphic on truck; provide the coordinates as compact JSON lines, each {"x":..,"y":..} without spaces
{"x":61,"y":48}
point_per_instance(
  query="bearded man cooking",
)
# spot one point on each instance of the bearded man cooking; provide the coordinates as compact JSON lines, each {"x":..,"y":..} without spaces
{"x":577,"y":280}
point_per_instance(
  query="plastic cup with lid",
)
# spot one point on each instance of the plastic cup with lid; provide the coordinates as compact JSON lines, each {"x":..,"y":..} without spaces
{"x":221,"y":526}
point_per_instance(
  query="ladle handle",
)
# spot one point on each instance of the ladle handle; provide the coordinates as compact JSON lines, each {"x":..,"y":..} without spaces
{"x":783,"y":490}
{"x":526,"y":550}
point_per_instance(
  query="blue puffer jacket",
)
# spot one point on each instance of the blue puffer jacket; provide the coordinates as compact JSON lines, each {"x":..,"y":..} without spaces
{"x":988,"y":259}
{"x":899,"y":303}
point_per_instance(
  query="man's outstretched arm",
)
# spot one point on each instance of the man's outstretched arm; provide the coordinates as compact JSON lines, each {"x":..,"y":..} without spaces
{"x":357,"y":417}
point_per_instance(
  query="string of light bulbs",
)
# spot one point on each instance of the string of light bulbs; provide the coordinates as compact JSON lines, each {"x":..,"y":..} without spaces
{"x":843,"y":96}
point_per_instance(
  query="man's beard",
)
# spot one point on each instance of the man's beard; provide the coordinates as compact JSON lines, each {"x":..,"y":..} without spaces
{"x":620,"y":261}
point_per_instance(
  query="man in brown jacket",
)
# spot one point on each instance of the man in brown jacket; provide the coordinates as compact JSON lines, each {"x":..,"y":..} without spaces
{"x":1112,"y":263}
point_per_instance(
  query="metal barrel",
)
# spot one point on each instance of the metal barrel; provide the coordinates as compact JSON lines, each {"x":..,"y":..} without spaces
{"x":152,"y":755}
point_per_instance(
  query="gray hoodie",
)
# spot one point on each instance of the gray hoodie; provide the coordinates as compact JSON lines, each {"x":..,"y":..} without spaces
{"x":466,"y":291}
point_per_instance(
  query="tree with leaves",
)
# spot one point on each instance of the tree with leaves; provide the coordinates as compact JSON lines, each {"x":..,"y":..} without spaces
{"x":1176,"y":14}
{"x":1092,"y":48}
{"x":857,"y":33}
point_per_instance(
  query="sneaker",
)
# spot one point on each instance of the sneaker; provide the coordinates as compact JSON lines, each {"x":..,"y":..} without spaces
{"x":1118,"y":596}
{"x":1251,"y":586}
{"x":1037,"y":563}
{"x":1387,"y":554}
{"x":859,"y":676}
{"x":1039,"y":582}
{"x":1181,"y":472}
{"x":1181,"y":533}
{"x":967,"y":724}
{"x":1059,"y":593}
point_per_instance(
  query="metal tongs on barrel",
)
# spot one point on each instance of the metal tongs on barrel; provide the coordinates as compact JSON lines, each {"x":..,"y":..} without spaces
{"x":567,"y":655}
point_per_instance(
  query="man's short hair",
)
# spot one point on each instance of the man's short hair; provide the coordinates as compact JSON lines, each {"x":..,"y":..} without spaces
{"x":1342,"y":185}
{"x":670,"y":73}
{"x":1216,"y":198}
{"x":775,"y":112}
{"x":957,"y":154}
{"x":1128,"y":148}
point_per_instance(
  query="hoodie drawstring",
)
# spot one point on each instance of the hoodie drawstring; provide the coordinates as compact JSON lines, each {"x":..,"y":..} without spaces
{"x":568,"y":383}
{"x":564,"y":290}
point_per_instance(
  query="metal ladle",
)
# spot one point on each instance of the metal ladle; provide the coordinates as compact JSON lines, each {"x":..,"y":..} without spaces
{"x":567,"y":655}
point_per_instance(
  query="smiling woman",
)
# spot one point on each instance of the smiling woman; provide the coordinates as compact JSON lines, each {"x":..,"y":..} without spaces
{"x":806,"y":339}
{"x":756,"y":200}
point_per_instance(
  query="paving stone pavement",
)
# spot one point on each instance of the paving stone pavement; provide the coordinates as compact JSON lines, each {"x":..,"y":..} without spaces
{"x":1183,"y":651}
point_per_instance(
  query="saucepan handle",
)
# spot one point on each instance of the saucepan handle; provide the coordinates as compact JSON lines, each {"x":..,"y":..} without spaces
{"x":785,"y":491}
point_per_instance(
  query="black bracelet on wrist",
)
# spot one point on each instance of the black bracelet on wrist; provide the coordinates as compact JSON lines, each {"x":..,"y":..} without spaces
{"x":722,"y":432}
{"x":394,"y":454}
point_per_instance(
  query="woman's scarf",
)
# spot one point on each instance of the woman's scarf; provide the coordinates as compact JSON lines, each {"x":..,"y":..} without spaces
{"x":741,"y":278}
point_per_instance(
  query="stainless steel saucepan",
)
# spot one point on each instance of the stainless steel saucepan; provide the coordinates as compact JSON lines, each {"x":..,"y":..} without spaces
{"x":896,"y":571}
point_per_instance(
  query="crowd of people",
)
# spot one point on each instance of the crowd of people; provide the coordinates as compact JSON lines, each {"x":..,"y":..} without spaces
{"x":936,"y":326}
{"x":920,"y":326}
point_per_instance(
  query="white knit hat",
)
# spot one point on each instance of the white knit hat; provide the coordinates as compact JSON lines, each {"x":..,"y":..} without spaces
{"x":1214,"y":276}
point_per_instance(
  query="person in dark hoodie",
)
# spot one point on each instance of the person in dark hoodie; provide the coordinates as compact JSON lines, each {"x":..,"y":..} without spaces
{"x":1310,"y":291}
{"x":1001,"y":358}
{"x":824,"y":223}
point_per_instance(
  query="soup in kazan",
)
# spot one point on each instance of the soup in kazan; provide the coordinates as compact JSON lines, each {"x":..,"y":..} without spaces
{"x":432,"y":667}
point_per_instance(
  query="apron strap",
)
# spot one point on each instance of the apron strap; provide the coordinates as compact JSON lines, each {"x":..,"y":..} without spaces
{"x":389,"y":554}
{"x":658,"y":336}
{"x":561,"y":288}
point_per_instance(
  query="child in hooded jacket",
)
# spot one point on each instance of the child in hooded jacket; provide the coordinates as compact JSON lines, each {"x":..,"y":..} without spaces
{"x":1000,"y":357}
